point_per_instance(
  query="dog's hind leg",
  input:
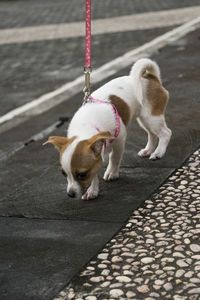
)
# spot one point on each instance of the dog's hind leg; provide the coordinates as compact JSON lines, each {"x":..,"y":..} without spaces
{"x":152,"y":139}
{"x":164,"y":135}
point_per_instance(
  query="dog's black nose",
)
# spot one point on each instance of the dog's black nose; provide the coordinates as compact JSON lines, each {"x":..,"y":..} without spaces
{"x":71,"y":194}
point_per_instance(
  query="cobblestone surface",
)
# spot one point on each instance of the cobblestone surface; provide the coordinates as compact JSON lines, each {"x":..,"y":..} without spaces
{"x":157,"y":253}
{"x":22,"y":13}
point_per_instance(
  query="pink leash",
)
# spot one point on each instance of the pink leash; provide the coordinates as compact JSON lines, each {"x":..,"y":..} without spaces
{"x":88,"y":34}
{"x":88,"y":68}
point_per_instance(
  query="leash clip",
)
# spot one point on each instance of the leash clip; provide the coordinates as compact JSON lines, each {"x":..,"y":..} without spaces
{"x":87,"y":90}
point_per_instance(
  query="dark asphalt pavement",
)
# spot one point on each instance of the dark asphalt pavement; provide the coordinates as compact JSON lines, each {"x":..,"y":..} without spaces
{"x":45,"y":237}
{"x":35,"y":68}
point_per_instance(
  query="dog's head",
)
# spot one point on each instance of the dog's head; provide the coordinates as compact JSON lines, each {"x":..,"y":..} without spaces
{"x":80,"y":160}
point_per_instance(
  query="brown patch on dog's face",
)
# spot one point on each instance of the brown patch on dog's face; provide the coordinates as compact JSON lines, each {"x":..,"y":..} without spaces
{"x":122,"y":108}
{"x":157,"y":95}
{"x":61,"y":143}
{"x":86,"y":160}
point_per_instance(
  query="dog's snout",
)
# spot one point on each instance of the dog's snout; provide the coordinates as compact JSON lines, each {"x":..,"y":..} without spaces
{"x":71,"y":194}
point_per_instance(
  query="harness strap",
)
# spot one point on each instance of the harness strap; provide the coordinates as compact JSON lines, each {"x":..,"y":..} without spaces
{"x":117,"y":116}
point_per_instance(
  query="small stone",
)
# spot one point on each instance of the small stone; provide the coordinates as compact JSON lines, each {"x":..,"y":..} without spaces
{"x":194,"y":291}
{"x":189,"y":274}
{"x":109,"y":277}
{"x":178,"y":281}
{"x":123,"y":279}
{"x":172,"y":203}
{"x":103,"y":256}
{"x":160,"y":234}
{"x":187,"y":241}
{"x":156,"y":295}
{"x":130,"y":294}
{"x":147,"y":260}
{"x":177,"y":297}
{"x":179,"y":273}
{"x":102,"y":266}
{"x":195,"y":280}
{"x":150,"y":241}
{"x":115,"y":285}
{"x":91,"y":298}
{"x":138,"y":280}
{"x":196,"y":257}
{"x":162,"y":243}
{"x":126,"y":272}
{"x":181,"y":187}
{"x":184,"y":182}
{"x":159,"y":282}
{"x":168,"y":286}
{"x":63,"y":294}
{"x":71,"y":295}
{"x":179,"y":248}
{"x":97,"y":279}
{"x":117,"y":259}
{"x":105,"y":272}
{"x":195,"y":248}
{"x":105,"y":284}
{"x":157,"y":287}
{"x":90,"y":268}
{"x":167,"y":259}
{"x":178,"y":254}
{"x":181,"y":263}
{"x":115,"y":293}
{"x":126,"y":267}
{"x":159,"y":272}
{"x":143,"y":289}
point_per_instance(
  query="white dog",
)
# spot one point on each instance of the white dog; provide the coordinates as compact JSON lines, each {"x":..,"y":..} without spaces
{"x":100,"y":125}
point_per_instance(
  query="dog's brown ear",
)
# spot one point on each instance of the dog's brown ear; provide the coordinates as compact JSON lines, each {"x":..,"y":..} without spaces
{"x":59,"y":142}
{"x":96,"y":142}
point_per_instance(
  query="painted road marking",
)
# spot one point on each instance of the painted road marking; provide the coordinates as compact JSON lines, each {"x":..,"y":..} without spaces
{"x":65,"y":92}
{"x":149,"y":20}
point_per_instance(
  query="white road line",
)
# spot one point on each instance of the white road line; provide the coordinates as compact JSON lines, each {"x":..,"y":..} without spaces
{"x":143,"y":21}
{"x":54,"y":98}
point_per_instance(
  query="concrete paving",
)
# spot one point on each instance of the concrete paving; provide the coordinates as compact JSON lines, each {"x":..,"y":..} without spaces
{"x":45,"y":237}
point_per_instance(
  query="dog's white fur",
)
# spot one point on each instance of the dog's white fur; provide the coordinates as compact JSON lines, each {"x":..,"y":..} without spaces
{"x":133,"y":90}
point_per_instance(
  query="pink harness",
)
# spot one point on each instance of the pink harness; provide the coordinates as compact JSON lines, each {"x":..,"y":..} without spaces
{"x":117,"y":116}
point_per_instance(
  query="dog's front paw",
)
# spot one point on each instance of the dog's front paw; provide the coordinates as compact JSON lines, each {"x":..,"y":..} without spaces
{"x":144,"y":153}
{"x":90,"y":194}
{"x":155,"y":156}
{"x":109,"y":176}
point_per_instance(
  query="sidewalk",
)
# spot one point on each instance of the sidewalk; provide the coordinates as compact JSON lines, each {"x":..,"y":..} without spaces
{"x":47,"y":238}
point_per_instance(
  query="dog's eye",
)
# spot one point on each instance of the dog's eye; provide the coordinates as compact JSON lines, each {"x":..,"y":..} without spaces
{"x":63,"y":172}
{"x":81,"y":175}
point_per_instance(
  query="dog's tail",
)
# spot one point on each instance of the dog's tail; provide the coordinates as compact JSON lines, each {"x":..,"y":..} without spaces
{"x":143,"y":68}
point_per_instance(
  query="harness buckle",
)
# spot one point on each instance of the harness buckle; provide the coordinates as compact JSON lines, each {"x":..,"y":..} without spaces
{"x":87,"y":90}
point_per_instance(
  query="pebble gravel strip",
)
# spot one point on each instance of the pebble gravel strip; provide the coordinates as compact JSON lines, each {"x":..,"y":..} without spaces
{"x":157,"y":254}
